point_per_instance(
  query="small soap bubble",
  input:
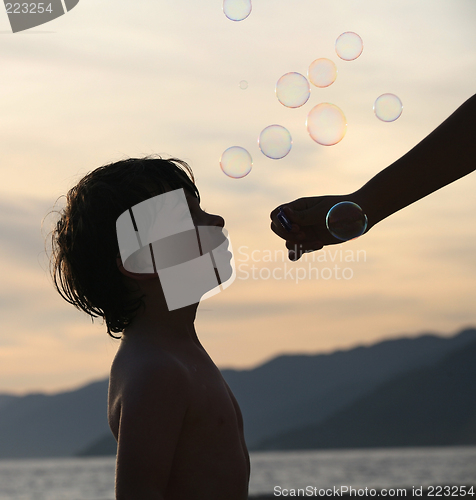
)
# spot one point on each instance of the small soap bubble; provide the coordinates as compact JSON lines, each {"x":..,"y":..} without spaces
{"x":236,"y":162}
{"x":346,"y":221}
{"x":243,"y":85}
{"x":322,"y":72}
{"x":349,"y":46}
{"x":275,"y":142}
{"x":326,"y":124}
{"x":388,"y":107}
{"x":293,"y":90}
{"x":237,"y":10}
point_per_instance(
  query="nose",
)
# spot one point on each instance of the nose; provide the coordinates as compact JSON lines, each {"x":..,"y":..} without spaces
{"x":217,"y":220}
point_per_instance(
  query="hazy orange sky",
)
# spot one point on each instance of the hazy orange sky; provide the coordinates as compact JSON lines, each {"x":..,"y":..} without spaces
{"x":116,"y":79}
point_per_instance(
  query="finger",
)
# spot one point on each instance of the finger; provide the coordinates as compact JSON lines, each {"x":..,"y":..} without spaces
{"x":274,"y":213}
{"x":296,"y":255}
{"x":291,"y":216}
{"x":279,"y":230}
{"x":304,"y":246}
{"x":291,"y":208}
{"x":300,"y":217}
{"x":284,"y":229}
{"x":300,"y":204}
{"x":296,"y":250}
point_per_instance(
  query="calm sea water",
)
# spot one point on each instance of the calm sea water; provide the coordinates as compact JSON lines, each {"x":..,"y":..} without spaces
{"x":93,"y":478}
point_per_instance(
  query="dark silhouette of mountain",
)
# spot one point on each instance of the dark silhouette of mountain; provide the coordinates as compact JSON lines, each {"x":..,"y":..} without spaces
{"x":297,"y":390}
{"x":6,"y":399}
{"x":282,"y":395}
{"x":431,"y":406}
{"x":39,"y":425}
{"x":104,"y":446}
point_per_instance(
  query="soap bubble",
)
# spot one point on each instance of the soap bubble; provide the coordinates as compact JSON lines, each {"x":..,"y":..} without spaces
{"x":236,"y":162}
{"x":349,"y":46}
{"x":243,"y":85}
{"x":326,"y":124}
{"x":346,"y":221}
{"x":322,"y":72}
{"x":293,"y":90}
{"x":275,"y":142}
{"x":237,"y":10}
{"x":388,"y":107}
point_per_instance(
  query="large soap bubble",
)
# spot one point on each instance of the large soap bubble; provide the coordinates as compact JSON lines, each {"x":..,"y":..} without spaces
{"x":236,"y":162}
{"x":388,"y":107}
{"x":322,"y":72}
{"x":349,"y":46}
{"x":293,"y":90}
{"x":237,"y":10}
{"x":346,"y":221}
{"x":326,"y":124}
{"x":275,"y":142}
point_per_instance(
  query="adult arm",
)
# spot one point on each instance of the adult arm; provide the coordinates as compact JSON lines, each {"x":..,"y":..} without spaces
{"x":445,"y":155}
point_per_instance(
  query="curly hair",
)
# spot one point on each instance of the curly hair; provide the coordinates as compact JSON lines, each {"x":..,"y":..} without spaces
{"x":84,"y":242}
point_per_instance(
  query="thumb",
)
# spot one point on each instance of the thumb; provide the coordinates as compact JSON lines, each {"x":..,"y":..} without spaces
{"x":304,"y":217}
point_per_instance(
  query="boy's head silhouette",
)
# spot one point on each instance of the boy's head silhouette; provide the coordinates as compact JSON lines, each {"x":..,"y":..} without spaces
{"x":147,"y":212}
{"x":159,"y":238}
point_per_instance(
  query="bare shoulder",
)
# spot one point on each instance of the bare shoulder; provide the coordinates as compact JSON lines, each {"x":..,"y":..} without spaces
{"x":142,"y":376}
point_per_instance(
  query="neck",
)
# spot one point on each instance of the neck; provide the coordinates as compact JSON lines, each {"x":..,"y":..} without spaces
{"x":155,"y":320}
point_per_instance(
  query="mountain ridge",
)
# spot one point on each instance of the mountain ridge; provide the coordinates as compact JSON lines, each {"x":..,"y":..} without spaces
{"x":429,"y":406}
{"x":285,"y":393}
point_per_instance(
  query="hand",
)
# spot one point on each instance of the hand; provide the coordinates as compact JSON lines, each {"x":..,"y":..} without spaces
{"x":308,"y":218}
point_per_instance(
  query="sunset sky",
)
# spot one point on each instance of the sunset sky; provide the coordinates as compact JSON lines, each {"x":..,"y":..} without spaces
{"x":111,"y":80}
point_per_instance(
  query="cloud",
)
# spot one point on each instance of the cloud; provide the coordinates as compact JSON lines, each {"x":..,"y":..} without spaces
{"x":318,"y":306}
{"x":26,"y":290}
{"x":21,"y":239}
